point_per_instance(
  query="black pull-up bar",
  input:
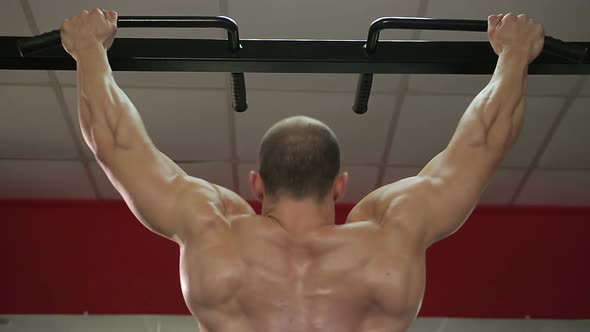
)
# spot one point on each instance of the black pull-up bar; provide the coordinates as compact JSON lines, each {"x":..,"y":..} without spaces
{"x":569,"y":52}
{"x":29,"y":46}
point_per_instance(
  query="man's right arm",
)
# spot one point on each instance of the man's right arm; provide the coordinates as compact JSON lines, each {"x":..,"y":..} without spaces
{"x":436,"y":202}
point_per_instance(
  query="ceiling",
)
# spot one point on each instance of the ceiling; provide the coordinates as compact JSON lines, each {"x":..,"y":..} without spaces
{"x":189,"y":116}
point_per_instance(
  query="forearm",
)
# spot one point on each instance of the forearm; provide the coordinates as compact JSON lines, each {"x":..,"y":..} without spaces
{"x":108,"y":119}
{"x":495,"y":116}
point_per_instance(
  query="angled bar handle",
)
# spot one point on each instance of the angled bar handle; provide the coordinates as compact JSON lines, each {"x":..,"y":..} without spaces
{"x":32,"y":45}
{"x":568,"y":51}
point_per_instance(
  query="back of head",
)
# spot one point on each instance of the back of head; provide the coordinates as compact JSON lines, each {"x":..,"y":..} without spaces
{"x":299,"y":158}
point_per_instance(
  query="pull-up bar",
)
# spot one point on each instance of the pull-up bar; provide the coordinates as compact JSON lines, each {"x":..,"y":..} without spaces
{"x":51,"y":39}
{"x":294,"y":56}
{"x":569,"y":52}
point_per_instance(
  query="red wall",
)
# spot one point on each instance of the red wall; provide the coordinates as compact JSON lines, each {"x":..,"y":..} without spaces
{"x":74,"y":256}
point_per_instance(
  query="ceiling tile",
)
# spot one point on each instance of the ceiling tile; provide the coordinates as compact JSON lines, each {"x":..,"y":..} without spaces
{"x":425,"y":127}
{"x":473,"y":84}
{"x":394,"y":174}
{"x":32,"y":125}
{"x":319,"y":82}
{"x":127,"y":79}
{"x":491,"y":325}
{"x":355,"y":132}
{"x":361,"y":182}
{"x":540,"y":10}
{"x":24,"y":76}
{"x":427,"y":124}
{"x":184,"y":124}
{"x":49,"y":15}
{"x":37,"y":179}
{"x":451,"y":84}
{"x":569,"y":146}
{"x":308,"y":19}
{"x":561,"y":85}
{"x":540,"y":115}
{"x":214,"y":172}
{"x":12,"y":19}
{"x":555,"y":187}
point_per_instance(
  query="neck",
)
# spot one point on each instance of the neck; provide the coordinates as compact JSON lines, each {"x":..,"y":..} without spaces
{"x":299,"y":217}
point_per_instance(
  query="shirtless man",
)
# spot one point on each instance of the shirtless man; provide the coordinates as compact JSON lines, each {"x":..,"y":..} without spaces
{"x":291,"y":268}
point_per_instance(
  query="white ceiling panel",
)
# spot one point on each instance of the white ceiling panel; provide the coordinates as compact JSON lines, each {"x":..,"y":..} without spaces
{"x":184,"y":124}
{"x":448,"y":84}
{"x":553,"y":187}
{"x":319,"y":82}
{"x":491,"y":325}
{"x":308,"y":19}
{"x":569,"y":147}
{"x":37,"y":179}
{"x":473,"y":84}
{"x":567,"y":21}
{"x":217,"y":173}
{"x":541,"y":113}
{"x":394,"y":174}
{"x":32,"y":125}
{"x":12,"y":19}
{"x":355,"y":132}
{"x":361,"y":182}
{"x":499,"y":191}
{"x":24,"y":76}
{"x":560,"y":85}
{"x":157,"y":79}
{"x":424,"y":129}
{"x":49,"y":15}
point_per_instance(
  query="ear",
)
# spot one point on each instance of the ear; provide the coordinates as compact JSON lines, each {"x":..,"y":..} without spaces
{"x":256,"y":185}
{"x":340,"y":185}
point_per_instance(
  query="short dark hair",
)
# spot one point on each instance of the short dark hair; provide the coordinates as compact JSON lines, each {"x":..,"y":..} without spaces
{"x":299,"y":158}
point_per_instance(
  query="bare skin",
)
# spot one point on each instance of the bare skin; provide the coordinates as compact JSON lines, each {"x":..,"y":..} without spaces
{"x":291,"y":268}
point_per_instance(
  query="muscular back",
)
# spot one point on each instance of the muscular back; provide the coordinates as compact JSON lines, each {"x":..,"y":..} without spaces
{"x":250,"y":275}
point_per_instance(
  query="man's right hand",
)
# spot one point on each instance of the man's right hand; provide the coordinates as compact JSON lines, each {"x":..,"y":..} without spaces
{"x":89,"y":30}
{"x":516,"y":34}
